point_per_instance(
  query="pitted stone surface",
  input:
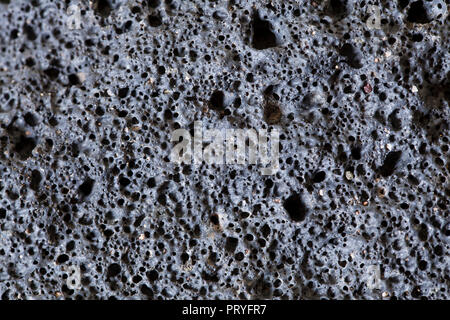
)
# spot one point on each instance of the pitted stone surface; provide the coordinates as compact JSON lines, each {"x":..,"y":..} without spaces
{"x":90,"y":92}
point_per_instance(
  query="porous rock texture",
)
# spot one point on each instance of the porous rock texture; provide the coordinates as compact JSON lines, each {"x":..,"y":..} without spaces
{"x":91,"y":91}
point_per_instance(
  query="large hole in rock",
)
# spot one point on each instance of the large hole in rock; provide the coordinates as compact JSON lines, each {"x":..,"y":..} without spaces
{"x":272,"y":111}
{"x":390,"y":162}
{"x":217,"y":101}
{"x":102,"y":7}
{"x":24,"y":147}
{"x":113,"y":270}
{"x":417,"y":13}
{"x":295,"y":207}
{"x":319,"y":176}
{"x":36,"y":179}
{"x":340,"y":8}
{"x":231,"y":244}
{"x":353,"y":55}
{"x":86,"y":187}
{"x":263,"y":36}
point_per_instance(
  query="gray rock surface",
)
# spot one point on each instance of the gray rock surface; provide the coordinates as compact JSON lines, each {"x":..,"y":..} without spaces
{"x":91,"y":207}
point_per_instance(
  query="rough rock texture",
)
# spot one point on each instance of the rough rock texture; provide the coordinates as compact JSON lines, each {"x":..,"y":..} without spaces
{"x":90,"y":92}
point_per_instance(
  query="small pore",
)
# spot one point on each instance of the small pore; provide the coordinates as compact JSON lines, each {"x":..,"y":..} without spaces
{"x":272,"y":109}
